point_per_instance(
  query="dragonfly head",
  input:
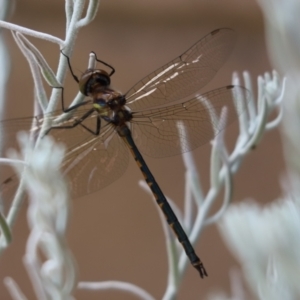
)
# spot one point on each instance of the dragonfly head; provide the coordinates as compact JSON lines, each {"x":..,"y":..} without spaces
{"x":92,"y":80}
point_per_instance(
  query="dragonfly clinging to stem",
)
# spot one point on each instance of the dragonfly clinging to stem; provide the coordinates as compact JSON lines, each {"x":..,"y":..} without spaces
{"x":99,"y":131}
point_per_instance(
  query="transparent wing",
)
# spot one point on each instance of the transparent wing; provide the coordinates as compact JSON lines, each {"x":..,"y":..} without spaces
{"x":184,"y":75}
{"x":182,"y":127}
{"x":10,"y":128}
{"x":8,"y":187}
{"x":91,"y":163}
{"x":95,"y":163}
{"x":9,"y":181}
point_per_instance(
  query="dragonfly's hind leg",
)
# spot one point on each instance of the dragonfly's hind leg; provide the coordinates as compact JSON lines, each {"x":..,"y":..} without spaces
{"x":79,"y":122}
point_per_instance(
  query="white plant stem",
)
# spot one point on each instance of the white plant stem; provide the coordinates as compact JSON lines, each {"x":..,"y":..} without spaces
{"x":117,"y":286}
{"x":265,"y":240}
{"x":53,"y":274}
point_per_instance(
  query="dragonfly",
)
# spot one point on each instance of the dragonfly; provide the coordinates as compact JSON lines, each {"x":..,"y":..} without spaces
{"x":162,"y":115}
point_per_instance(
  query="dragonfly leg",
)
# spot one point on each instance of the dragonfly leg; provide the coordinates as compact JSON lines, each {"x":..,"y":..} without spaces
{"x":79,"y":122}
{"x":98,"y":125}
{"x":98,"y":60}
{"x":65,"y":110}
{"x":70,"y":68}
{"x":106,"y":64}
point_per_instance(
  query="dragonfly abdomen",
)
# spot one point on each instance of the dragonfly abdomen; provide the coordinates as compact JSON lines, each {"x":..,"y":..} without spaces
{"x":171,"y":218}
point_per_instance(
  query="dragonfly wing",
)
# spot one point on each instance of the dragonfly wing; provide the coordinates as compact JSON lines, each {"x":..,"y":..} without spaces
{"x":8,"y":133}
{"x":78,"y":135}
{"x":73,"y":139}
{"x":184,"y":75}
{"x":182,"y":127}
{"x":8,"y":187}
{"x":9,"y":181}
{"x":9,"y":128}
{"x":96,"y":163}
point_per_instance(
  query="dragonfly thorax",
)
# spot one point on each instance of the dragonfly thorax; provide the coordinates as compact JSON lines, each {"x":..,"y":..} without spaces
{"x":111,"y":107}
{"x":121,"y":116}
{"x":109,"y":97}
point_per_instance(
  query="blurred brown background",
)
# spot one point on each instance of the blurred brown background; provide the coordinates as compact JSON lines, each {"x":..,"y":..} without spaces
{"x":115,"y":234}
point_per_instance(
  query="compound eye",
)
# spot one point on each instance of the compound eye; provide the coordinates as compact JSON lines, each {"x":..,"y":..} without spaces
{"x":83,"y":82}
{"x":92,"y":79}
{"x":103,"y":80}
